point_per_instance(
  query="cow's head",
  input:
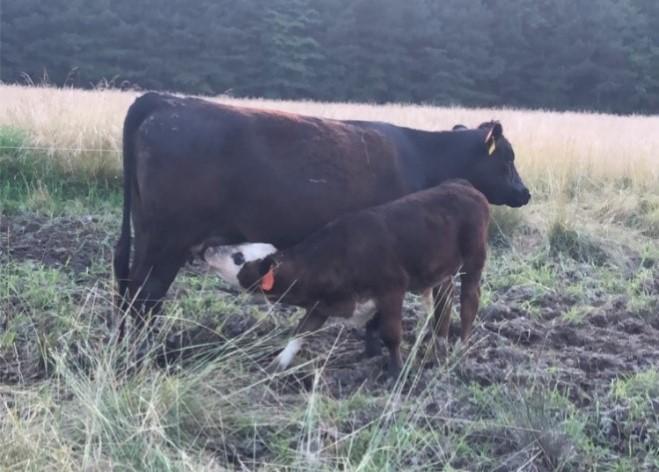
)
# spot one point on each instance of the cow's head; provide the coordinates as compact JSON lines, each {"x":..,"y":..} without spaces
{"x":493,"y":170}
{"x":228,"y":261}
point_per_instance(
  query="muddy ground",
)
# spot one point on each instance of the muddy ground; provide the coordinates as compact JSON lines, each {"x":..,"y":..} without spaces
{"x":508,"y":341}
{"x":510,"y":345}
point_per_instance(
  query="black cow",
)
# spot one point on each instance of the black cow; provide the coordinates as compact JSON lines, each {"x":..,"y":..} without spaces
{"x":197,"y":171}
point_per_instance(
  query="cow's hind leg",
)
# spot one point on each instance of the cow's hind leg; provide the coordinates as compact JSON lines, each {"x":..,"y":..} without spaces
{"x":371,"y":340}
{"x":152,"y":274}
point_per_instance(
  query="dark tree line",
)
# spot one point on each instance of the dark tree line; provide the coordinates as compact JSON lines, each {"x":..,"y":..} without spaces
{"x":561,"y":54}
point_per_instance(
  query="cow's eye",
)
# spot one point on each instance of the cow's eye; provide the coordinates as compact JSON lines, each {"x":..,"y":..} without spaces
{"x":238,"y":258}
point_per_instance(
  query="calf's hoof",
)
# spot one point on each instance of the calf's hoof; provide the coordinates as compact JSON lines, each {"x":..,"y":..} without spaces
{"x":441,"y":347}
{"x":285,"y":358}
{"x":274,"y":367}
{"x":461,"y":347}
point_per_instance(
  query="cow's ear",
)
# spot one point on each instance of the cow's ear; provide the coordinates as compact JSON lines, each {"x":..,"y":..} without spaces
{"x":497,"y":130}
{"x":494,"y":132}
{"x":493,"y":127}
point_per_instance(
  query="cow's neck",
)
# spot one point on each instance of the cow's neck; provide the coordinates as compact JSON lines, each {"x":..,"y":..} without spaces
{"x":437,"y":156}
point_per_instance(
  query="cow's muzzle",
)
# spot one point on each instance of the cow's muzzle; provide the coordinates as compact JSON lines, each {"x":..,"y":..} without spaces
{"x":520,"y":197}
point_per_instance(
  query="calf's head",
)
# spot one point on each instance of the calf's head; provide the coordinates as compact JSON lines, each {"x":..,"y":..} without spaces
{"x":493,"y":169}
{"x":229,"y":261}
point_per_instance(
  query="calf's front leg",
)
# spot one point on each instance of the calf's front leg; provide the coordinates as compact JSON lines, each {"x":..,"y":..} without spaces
{"x":313,"y":320}
{"x":390,"y":309}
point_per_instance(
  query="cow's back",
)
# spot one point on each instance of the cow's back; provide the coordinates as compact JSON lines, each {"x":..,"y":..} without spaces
{"x":256,"y":175}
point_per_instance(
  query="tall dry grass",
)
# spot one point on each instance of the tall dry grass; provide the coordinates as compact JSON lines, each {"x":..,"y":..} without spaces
{"x":558,"y":153}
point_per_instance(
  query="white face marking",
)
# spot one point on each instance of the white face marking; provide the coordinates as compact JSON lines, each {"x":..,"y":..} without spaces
{"x":228,"y":260}
{"x":285,"y":358}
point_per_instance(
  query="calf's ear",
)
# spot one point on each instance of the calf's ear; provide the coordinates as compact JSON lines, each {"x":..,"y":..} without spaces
{"x":265,"y":265}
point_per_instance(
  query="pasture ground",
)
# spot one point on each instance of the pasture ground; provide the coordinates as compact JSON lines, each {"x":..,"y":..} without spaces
{"x":561,"y":373}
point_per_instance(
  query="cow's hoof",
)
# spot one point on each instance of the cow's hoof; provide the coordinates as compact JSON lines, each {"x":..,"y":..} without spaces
{"x":389,"y":378}
{"x":370,"y":351}
{"x":393,"y":371}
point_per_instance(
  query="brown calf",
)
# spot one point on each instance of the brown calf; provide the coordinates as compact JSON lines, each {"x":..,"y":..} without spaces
{"x":364,"y":262}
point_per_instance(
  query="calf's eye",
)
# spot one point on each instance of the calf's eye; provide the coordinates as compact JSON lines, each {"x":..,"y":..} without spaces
{"x":238,"y":258}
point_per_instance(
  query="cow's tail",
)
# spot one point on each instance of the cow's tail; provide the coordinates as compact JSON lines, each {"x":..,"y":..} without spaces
{"x":137,"y":113}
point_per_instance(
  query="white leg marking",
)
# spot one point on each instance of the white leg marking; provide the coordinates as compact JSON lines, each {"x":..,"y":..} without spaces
{"x":288,"y":354}
{"x":363,"y":312}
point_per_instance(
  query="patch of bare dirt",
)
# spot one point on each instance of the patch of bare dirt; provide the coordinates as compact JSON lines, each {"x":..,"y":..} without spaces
{"x":507,"y":346}
{"x":73,"y":242}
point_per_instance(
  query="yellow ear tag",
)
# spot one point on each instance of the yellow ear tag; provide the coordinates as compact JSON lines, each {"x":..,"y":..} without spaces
{"x":492,"y":147}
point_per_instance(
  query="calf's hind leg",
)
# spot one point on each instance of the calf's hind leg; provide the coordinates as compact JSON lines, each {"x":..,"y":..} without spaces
{"x":470,"y":292}
{"x":443,"y":304}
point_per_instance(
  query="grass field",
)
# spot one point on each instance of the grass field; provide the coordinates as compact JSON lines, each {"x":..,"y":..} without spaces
{"x":561,"y":374}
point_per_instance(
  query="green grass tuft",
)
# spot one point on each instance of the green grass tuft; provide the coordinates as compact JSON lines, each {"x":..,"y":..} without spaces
{"x":636,"y":422}
{"x":580,"y":246}
{"x":31,"y":181}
